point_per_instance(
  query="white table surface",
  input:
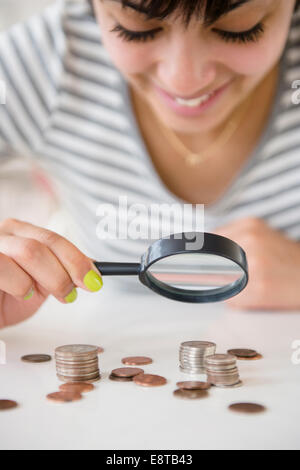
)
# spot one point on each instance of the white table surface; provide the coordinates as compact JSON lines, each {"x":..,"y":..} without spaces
{"x":124,"y":416}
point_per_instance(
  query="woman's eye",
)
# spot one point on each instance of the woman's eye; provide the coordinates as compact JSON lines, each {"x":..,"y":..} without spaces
{"x":252,"y":35}
{"x":138,"y":36}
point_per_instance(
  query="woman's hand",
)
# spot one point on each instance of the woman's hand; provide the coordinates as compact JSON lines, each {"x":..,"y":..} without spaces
{"x":274,"y":266}
{"x":34,"y":263}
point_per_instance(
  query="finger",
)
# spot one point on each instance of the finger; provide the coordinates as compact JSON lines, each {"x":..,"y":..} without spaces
{"x":14,"y":280}
{"x":41,"y":265}
{"x":80,"y":268}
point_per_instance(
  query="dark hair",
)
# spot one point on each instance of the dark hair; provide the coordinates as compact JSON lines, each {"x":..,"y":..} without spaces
{"x":210,"y":10}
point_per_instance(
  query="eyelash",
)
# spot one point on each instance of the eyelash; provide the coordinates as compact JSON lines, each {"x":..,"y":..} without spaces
{"x":253,"y":35}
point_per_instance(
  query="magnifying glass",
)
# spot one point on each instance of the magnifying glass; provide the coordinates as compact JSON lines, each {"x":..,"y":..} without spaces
{"x":171,"y":267}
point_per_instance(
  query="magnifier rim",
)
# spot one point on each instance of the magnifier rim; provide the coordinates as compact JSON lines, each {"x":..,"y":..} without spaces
{"x":196,"y":296}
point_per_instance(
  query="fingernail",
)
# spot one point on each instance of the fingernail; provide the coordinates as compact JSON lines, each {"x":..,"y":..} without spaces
{"x":93,"y":281}
{"x":29,"y":295}
{"x":71,"y":297}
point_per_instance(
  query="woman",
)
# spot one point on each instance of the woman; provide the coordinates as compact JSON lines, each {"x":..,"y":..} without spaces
{"x":159,"y":101}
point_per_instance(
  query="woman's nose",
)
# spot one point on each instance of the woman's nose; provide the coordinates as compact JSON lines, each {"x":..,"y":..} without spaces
{"x":185,"y":68}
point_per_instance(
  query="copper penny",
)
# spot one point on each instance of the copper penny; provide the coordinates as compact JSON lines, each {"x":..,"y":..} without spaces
{"x":249,"y":408}
{"x":258,"y":357}
{"x":190,"y":394}
{"x":243,"y":353}
{"x":120,"y":379}
{"x":127,"y":372}
{"x":149,"y":380}
{"x":7,"y":405}
{"x":76,"y":387}
{"x":64,"y":397}
{"x":36,"y":358}
{"x":100,"y":350}
{"x":193,"y":385}
{"x":137,"y":361}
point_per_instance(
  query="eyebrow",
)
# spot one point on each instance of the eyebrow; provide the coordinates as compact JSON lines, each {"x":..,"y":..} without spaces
{"x":134,"y":6}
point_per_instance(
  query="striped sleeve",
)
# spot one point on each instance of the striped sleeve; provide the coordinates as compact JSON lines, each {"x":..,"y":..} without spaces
{"x":31,"y":64}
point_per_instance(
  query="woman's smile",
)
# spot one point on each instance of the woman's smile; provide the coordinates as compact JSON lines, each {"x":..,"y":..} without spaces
{"x":191,"y":107}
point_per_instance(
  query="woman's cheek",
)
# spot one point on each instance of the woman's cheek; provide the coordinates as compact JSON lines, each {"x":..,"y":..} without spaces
{"x":252,"y":59}
{"x":128,"y":58}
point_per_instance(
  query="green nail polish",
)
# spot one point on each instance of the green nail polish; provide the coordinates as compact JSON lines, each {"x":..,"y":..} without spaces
{"x":30,"y":295}
{"x":71,"y":297}
{"x":93,"y":281}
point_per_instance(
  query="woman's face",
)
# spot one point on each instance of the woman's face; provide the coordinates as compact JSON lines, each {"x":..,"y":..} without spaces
{"x":194,"y":77}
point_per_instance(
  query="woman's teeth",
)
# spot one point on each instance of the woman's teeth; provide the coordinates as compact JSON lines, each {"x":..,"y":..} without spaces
{"x":194,"y":102}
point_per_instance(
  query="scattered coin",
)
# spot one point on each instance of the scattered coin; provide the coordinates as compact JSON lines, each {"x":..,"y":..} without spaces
{"x":64,"y":397}
{"x":120,"y":379}
{"x":7,"y":405}
{"x":249,"y":408}
{"x":76,"y":387}
{"x":189,"y":385}
{"x":36,"y":358}
{"x":137,"y":361}
{"x":190,"y":394}
{"x":149,"y":380}
{"x":243,"y":353}
{"x":127,"y":372}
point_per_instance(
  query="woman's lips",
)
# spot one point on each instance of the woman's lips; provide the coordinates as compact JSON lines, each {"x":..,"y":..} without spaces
{"x":191,"y":109}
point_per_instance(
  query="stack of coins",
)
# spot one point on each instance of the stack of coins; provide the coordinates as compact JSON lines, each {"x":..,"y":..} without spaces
{"x":192,"y":355}
{"x":77,"y":363}
{"x":222,"y":370}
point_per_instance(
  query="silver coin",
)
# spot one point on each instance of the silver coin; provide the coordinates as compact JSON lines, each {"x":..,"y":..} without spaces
{"x":237,"y":385}
{"x":76,"y":350}
{"x":198,"y":344}
{"x":223,"y":359}
{"x":75,"y":380}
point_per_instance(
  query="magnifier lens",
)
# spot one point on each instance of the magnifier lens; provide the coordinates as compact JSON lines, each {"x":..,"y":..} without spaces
{"x":195,"y":272}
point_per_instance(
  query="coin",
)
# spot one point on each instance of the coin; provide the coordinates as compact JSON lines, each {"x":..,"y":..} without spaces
{"x":193,"y":385}
{"x":7,"y":405}
{"x":100,"y":350}
{"x":249,"y":408}
{"x":137,"y":361}
{"x":149,"y":380}
{"x":120,"y":379}
{"x":237,"y":385}
{"x":192,"y":356}
{"x":258,"y":357}
{"x":127,"y":372}
{"x":190,"y":394}
{"x":77,"y":363}
{"x":64,"y":397}
{"x":36,"y":358}
{"x":198,"y":344}
{"x":76,"y":387}
{"x":243,"y":353}
{"x":74,"y":350}
{"x":66,"y":379}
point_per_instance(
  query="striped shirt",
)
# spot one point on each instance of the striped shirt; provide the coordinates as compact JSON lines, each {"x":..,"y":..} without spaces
{"x":69,"y":108}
